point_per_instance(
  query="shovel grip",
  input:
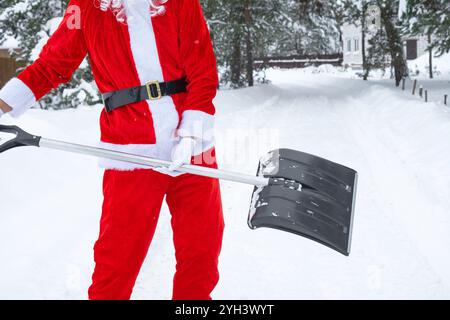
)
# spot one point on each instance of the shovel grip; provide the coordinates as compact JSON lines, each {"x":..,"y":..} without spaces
{"x":22,"y":139}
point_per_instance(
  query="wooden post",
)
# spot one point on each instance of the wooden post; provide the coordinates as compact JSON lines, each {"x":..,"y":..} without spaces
{"x":421,"y":91}
{"x":445,"y":99}
{"x":426,"y":95}
{"x":403,"y":84}
{"x":414,"y":87}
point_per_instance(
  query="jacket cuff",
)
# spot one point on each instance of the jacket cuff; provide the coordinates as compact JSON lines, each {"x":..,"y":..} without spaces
{"x":18,"y":96}
{"x":197,"y":124}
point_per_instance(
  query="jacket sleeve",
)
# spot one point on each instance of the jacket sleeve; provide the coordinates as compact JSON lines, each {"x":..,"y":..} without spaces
{"x":199,"y":63}
{"x":60,"y":57}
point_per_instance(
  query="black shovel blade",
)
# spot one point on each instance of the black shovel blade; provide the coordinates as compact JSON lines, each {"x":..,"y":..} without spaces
{"x":308,"y":196}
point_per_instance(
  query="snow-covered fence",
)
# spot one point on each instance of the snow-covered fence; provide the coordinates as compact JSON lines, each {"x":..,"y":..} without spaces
{"x":299,"y":61}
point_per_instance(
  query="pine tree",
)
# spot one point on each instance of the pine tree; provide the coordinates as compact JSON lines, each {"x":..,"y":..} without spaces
{"x":308,"y":27}
{"x":244,"y":29}
{"x":377,"y":53}
{"x":389,"y":38}
{"x":240,"y":30}
{"x":390,"y":21}
{"x":429,"y":17}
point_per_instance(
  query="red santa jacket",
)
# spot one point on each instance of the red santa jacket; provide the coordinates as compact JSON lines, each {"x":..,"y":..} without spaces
{"x":167,"y":47}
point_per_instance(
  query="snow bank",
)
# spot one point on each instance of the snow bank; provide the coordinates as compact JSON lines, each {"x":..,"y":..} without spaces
{"x":420,"y":66}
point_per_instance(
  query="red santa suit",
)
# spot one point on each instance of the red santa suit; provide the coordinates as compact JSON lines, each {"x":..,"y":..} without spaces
{"x":124,"y":55}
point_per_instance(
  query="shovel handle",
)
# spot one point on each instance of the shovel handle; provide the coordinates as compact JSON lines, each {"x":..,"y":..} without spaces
{"x":22,"y":138}
{"x":25,"y":139}
{"x":151,"y":162}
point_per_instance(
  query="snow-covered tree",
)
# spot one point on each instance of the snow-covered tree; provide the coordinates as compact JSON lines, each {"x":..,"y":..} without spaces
{"x":377,"y":53}
{"x":31,"y":22}
{"x":309,"y":27}
{"x":388,"y":39}
{"x":390,"y":21}
{"x":429,"y":17}
{"x":243,"y":29}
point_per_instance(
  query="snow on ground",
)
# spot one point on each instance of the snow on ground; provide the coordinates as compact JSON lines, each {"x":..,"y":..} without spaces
{"x":421,"y":66}
{"x":50,"y":201}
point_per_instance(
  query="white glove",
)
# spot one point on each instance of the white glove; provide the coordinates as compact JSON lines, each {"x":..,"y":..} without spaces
{"x":183,"y":152}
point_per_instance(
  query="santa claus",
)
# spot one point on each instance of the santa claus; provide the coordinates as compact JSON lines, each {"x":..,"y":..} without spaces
{"x":154,"y":64}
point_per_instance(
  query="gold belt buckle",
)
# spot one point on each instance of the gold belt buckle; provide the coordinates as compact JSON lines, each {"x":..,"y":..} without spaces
{"x":149,"y":91}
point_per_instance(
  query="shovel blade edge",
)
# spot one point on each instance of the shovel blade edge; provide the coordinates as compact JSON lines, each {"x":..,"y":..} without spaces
{"x":322,"y":210}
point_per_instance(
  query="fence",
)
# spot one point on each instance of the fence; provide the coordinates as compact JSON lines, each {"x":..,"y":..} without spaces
{"x":299,"y":61}
{"x":8,"y":66}
{"x":429,"y":90}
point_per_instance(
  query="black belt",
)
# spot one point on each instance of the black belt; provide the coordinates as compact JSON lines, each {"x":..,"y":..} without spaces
{"x":153,"y":90}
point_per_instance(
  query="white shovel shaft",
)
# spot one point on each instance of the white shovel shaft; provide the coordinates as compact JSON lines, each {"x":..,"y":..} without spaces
{"x":153,"y":163}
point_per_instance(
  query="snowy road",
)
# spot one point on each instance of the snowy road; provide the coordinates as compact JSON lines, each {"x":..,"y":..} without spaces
{"x":399,"y":145}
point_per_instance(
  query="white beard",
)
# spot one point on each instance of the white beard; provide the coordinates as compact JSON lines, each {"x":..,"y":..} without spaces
{"x":123,"y":9}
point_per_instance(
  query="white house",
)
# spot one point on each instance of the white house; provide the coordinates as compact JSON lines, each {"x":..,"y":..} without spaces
{"x":352,"y":37}
{"x":352,"y":46}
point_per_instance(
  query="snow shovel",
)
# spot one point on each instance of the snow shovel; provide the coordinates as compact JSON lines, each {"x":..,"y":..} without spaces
{"x":294,"y":191}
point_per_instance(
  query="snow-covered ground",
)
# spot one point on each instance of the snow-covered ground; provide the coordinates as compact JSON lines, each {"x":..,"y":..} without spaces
{"x":50,"y":201}
{"x":440,"y":85}
{"x":421,"y":66}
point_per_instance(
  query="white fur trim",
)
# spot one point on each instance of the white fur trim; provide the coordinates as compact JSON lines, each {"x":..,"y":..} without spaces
{"x":143,"y":42}
{"x":18,"y":96}
{"x":146,"y":59}
{"x":146,"y":150}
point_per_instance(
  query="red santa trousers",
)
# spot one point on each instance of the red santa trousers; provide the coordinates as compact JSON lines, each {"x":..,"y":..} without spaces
{"x":132,"y":202}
